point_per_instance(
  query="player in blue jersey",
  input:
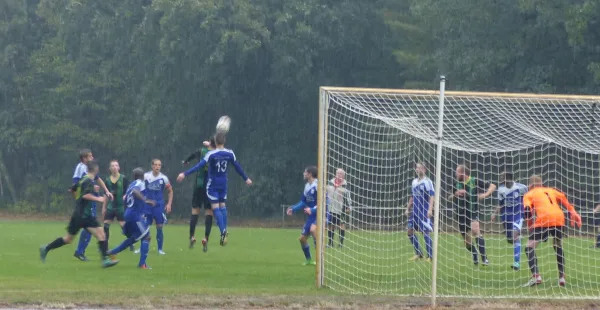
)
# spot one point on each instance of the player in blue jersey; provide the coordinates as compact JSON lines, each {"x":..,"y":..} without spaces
{"x":510,"y":209}
{"x":85,"y":156}
{"x":135,"y":227}
{"x":155,"y":184}
{"x":218,"y":161}
{"x":308,"y":203}
{"x":420,"y":211}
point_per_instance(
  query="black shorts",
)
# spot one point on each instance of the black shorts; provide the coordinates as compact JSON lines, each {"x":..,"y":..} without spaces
{"x":543,"y":233}
{"x":200,"y":199}
{"x":79,"y":221}
{"x":111,"y":214}
{"x":464,"y":220}
{"x":338,"y":219}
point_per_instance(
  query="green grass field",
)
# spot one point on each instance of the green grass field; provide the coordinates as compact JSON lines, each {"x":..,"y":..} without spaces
{"x":261,"y":268}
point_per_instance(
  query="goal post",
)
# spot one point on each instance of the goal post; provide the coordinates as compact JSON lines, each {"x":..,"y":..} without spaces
{"x":378,"y":135}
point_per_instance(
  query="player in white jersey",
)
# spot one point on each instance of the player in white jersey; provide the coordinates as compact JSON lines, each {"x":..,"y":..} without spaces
{"x":510,"y":209}
{"x":339,"y":206}
{"x":420,"y":211}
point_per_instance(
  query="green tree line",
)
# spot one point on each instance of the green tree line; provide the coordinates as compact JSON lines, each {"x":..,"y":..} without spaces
{"x":142,"y":79}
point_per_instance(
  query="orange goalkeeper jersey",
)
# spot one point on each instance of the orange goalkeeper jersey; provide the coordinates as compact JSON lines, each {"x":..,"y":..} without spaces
{"x":544,"y":205}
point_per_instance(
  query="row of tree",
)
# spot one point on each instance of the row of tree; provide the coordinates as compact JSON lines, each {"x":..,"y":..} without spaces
{"x":138,"y":79}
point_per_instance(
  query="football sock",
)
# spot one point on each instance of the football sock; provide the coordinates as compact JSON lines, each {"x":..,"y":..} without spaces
{"x":517,"y":250}
{"x":121,"y":247}
{"x":306,"y":250}
{"x":57,"y":243}
{"x":532,"y":260}
{"x":598,"y":240}
{"x":330,"y":234}
{"x":208,"y":222}
{"x":428,"y":244}
{"x":560,"y":260}
{"x":84,"y":240}
{"x":415,"y":242}
{"x":193,"y":222}
{"x":481,"y":244}
{"x":342,"y":236}
{"x":224,"y":214}
{"x":144,"y":249}
{"x":219,"y":217}
{"x":103,"y":246}
{"x":159,"y":238}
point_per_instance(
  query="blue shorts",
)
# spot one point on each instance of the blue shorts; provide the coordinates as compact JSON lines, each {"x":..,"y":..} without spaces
{"x":156,"y":214}
{"x":136,"y":229}
{"x":419,"y":223}
{"x":306,"y":227}
{"x":216,"y":195}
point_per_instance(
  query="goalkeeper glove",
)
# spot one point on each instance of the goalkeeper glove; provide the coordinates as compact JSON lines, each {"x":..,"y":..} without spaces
{"x":575,"y":219}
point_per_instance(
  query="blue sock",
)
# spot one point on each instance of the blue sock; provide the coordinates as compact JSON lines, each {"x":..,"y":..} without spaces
{"x":306,"y":250}
{"x":159,"y":238}
{"x":428,"y":245}
{"x":415,"y":242}
{"x":125,"y":244}
{"x":144,"y":249}
{"x":84,"y":240}
{"x":517,"y":245}
{"x":219,"y":218}
{"x":224,"y":214}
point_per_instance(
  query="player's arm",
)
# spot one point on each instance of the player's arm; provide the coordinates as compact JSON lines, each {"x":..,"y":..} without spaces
{"x":528,"y":209}
{"x":347,"y":201}
{"x":196,"y":154}
{"x":195,"y":168}
{"x":87,"y":191}
{"x":104,"y":188}
{"x":125,"y":184}
{"x":298,"y":206}
{"x":597,"y":208}
{"x":104,"y":205}
{"x":431,"y":193}
{"x":409,"y":206}
{"x":491,"y":188}
{"x":169,"y":195}
{"x":575,"y":217}
{"x":138,"y":194}
{"x":497,"y":210}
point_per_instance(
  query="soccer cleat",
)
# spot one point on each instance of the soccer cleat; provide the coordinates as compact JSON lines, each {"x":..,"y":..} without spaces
{"x":310,"y":262}
{"x":223,"y":241}
{"x":109,"y":262}
{"x":131,"y":248}
{"x":485,"y":262}
{"x":535,"y":280}
{"x":43,"y":254}
{"x":561,"y":281}
{"x":428,"y":259}
{"x":516,"y":266}
{"x":81,"y":257}
{"x":415,"y":258}
{"x":144,"y":266}
{"x":192,"y":242}
{"x":137,"y":251}
{"x":161,"y":252}
{"x":204,"y":245}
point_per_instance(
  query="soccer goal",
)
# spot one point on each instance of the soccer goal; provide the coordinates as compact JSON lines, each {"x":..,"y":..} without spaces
{"x":378,"y":135}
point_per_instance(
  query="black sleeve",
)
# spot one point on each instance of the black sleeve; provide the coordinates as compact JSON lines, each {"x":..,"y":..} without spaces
{"x":482,"y":186}
{"x":125,"y":184}
{"x":87,"y":187}
{"x":196,"y":154}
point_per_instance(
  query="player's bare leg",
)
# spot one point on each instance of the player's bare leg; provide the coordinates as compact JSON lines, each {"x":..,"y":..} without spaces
{"x":560,"y":260}
{"x":208,"y":216}
{"x":480,"y":241}
{"x":193,"y":222}
{"x":533,"y":266}
{"x":306,"y":248}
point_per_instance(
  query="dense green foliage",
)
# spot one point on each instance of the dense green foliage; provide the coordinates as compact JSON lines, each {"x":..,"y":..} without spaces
{"x":137,"y":79}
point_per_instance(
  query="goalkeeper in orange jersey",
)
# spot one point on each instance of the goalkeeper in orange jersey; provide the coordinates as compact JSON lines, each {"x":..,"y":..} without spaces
{"x":545,"y":219}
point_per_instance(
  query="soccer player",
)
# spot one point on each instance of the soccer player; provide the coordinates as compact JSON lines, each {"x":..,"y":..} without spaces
{"x":510,"y":209}
{"x":155,"y":185}
{"x":218,"y":161}
{"x":308,"y":203}
{"x":340,"y":202}
{"x":83,"y":217}
{"x":85,"y":155}
{"x":135,"y":227}
{"x":545,"y":219}
{"x":117,"y":185}
{"x":467,"y":193}
{"x":199,"y":198}
{"x":420,"y":211}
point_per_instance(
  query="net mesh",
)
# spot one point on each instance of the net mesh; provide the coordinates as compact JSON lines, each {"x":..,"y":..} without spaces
{"x":378,"y":136}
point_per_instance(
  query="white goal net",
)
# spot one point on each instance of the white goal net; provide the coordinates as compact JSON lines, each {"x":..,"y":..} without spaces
{"x":377,"y":137}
